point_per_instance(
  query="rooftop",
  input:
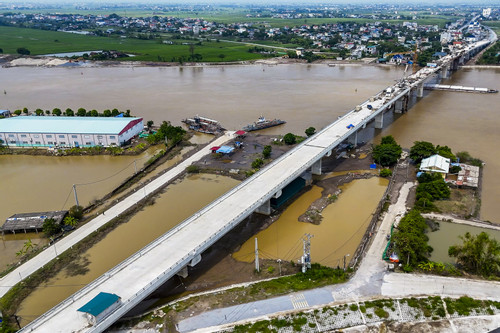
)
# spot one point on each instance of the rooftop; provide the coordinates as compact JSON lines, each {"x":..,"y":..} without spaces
{"x":436,"y":163}
{"x":53,"y":124}
{"x":99,"y":303}
{"x":31,"y":221}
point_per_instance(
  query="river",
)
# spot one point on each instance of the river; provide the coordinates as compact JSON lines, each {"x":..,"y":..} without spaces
{"x":303,"y":95}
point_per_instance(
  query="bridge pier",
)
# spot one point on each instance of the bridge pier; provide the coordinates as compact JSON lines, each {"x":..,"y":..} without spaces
{"x":379,"y":121}
{"x":444,"y":72}
{"x":420,"y":90}
{"x":316,"y":168}
{"x":398,"y":106}
{"x":265,"y":208}
{"x":183,"y":273}
{"x":353,"y":139}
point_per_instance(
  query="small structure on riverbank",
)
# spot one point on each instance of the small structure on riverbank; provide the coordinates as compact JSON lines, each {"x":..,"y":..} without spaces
{"x":468,"y":176}
{"x":31,"y":221}
{"x":436,"y":163}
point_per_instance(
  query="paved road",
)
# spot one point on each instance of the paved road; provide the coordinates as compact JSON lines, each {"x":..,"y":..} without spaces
{"x":479,"y":224}
{"x":370,"y":280}
{"x":29,"y":267}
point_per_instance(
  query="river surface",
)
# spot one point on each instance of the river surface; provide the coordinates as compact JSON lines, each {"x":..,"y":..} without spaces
{"x":303,"y":95}
{"x":344,"y":224}
{"x":127,"y":239}
{"x":448,"y":234}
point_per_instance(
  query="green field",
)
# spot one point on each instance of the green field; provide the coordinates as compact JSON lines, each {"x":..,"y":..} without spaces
{"x":495,"y":25}
{"x":46,"y":42}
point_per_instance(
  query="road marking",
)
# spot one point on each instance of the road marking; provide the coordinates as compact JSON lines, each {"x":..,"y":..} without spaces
{"x":299,"y":301}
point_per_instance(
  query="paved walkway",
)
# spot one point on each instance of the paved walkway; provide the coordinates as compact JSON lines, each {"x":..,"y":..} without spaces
{"x":44,"y":257}
{"x":370,"y":280}
{"x":451,"y":219}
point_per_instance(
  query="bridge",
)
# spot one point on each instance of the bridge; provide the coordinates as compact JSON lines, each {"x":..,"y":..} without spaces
{"x":171,"y":254}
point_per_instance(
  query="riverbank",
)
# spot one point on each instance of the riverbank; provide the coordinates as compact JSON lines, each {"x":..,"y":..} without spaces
{"x":47,"y":61}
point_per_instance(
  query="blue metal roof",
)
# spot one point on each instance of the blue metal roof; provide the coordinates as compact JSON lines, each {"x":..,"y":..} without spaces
{"x":225,"y":150}
{"x":53,"y":124}
{"x":99,"y":303}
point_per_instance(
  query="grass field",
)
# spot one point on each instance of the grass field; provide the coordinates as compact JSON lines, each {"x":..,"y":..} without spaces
{"x":46,"y":42}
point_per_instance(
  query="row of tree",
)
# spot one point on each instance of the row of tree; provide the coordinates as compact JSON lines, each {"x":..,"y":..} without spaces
{"x":81,"y":112}
{"x":168,"y":133}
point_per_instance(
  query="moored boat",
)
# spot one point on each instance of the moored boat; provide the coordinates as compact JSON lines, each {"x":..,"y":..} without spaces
{"x":203,"y":125}
{"x":263,"y":123}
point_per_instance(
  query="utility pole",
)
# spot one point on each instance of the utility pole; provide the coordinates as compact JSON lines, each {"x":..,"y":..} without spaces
{"x":257,"y":268}
{"x":76,"y":196}
{"x":306,"y":257}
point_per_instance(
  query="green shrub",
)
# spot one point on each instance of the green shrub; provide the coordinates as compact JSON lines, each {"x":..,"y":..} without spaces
{"x":385,"y":173}
{"x":193,"y":169}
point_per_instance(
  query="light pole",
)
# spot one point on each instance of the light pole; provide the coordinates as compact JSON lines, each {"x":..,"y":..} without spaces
{"x":347,"y":255}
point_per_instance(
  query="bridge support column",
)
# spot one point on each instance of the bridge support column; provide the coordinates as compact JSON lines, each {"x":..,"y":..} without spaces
{"x":183,"y":273}
{"x":353,"y":139}
{"x":420,"y":90}
{"x":379,"y":121}
{"x":195,"y":260}
{"x":398,"y":106}
{"x":307,"y":176}
{"x":444,"y":72}
{"x":316,"y":168}
{"x":265,"y":208}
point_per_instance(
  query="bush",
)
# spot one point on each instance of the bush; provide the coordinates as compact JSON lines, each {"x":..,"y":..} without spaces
{"x":266,"y":153}
{"x":257,"y":163}
{"x":50,"y":227}
{"x":193,"y":169}
{"x":289,"y":139}
{"x":385,"y":173}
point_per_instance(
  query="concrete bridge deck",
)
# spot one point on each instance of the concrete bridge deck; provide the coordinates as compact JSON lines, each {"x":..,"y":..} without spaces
{"x":145,"y":271}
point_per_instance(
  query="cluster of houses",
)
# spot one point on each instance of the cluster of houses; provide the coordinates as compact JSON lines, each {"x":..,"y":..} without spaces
{"x":357,"y":39}
{"x":467,"y":175}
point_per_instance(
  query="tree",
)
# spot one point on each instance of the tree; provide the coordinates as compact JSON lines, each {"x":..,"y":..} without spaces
{"x":387,"y":152}
{"x":445,"y":151}
{"x":39,"y":112}
{"x":81,"y":112}
{"x":25,"y":111}
{"x":76,"y":212}
{"x":150,"y":124}
{"x":106,"y":113}
{"x":222,"y":56}
{"x":266,"y":152}
{"x":18,"y":112}
{"x":50,"y":227}
{"x":69,"y":112}
{"x":477,"y":254}
{"x":23,"y":51}
{"x":94,"y":113}
{"x":70,"y":220}
{"x":289,"y":139}
{"x":410,"y":239}
{"x":310,"y":131}
{"x":421,"y":150}
{"x":57,"y":111}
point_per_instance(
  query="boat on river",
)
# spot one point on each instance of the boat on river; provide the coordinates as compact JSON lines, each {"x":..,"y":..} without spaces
{"x":203,"y":125}
{"x":263,"y":123}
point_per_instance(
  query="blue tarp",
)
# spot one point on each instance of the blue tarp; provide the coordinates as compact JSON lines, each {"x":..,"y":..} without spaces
{"x":99,"y":303}
{"x":373,"y":166}
{"x":350,"y":126}
{"x":119,"y":116}
{"x":225,"y":150}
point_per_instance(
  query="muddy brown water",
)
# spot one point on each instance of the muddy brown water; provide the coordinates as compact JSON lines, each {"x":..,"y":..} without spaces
{"x":448,"y":235}
{"x":302,"y":95}
{"x":126,"y":239}
{"x":338,"y":235}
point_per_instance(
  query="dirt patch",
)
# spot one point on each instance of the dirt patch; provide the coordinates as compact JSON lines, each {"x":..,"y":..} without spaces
{"x":240,"y":161}
{"x":462,"y":203}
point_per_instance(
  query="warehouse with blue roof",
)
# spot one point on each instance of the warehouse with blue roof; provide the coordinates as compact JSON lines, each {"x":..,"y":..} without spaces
{"x":36,"y":131}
